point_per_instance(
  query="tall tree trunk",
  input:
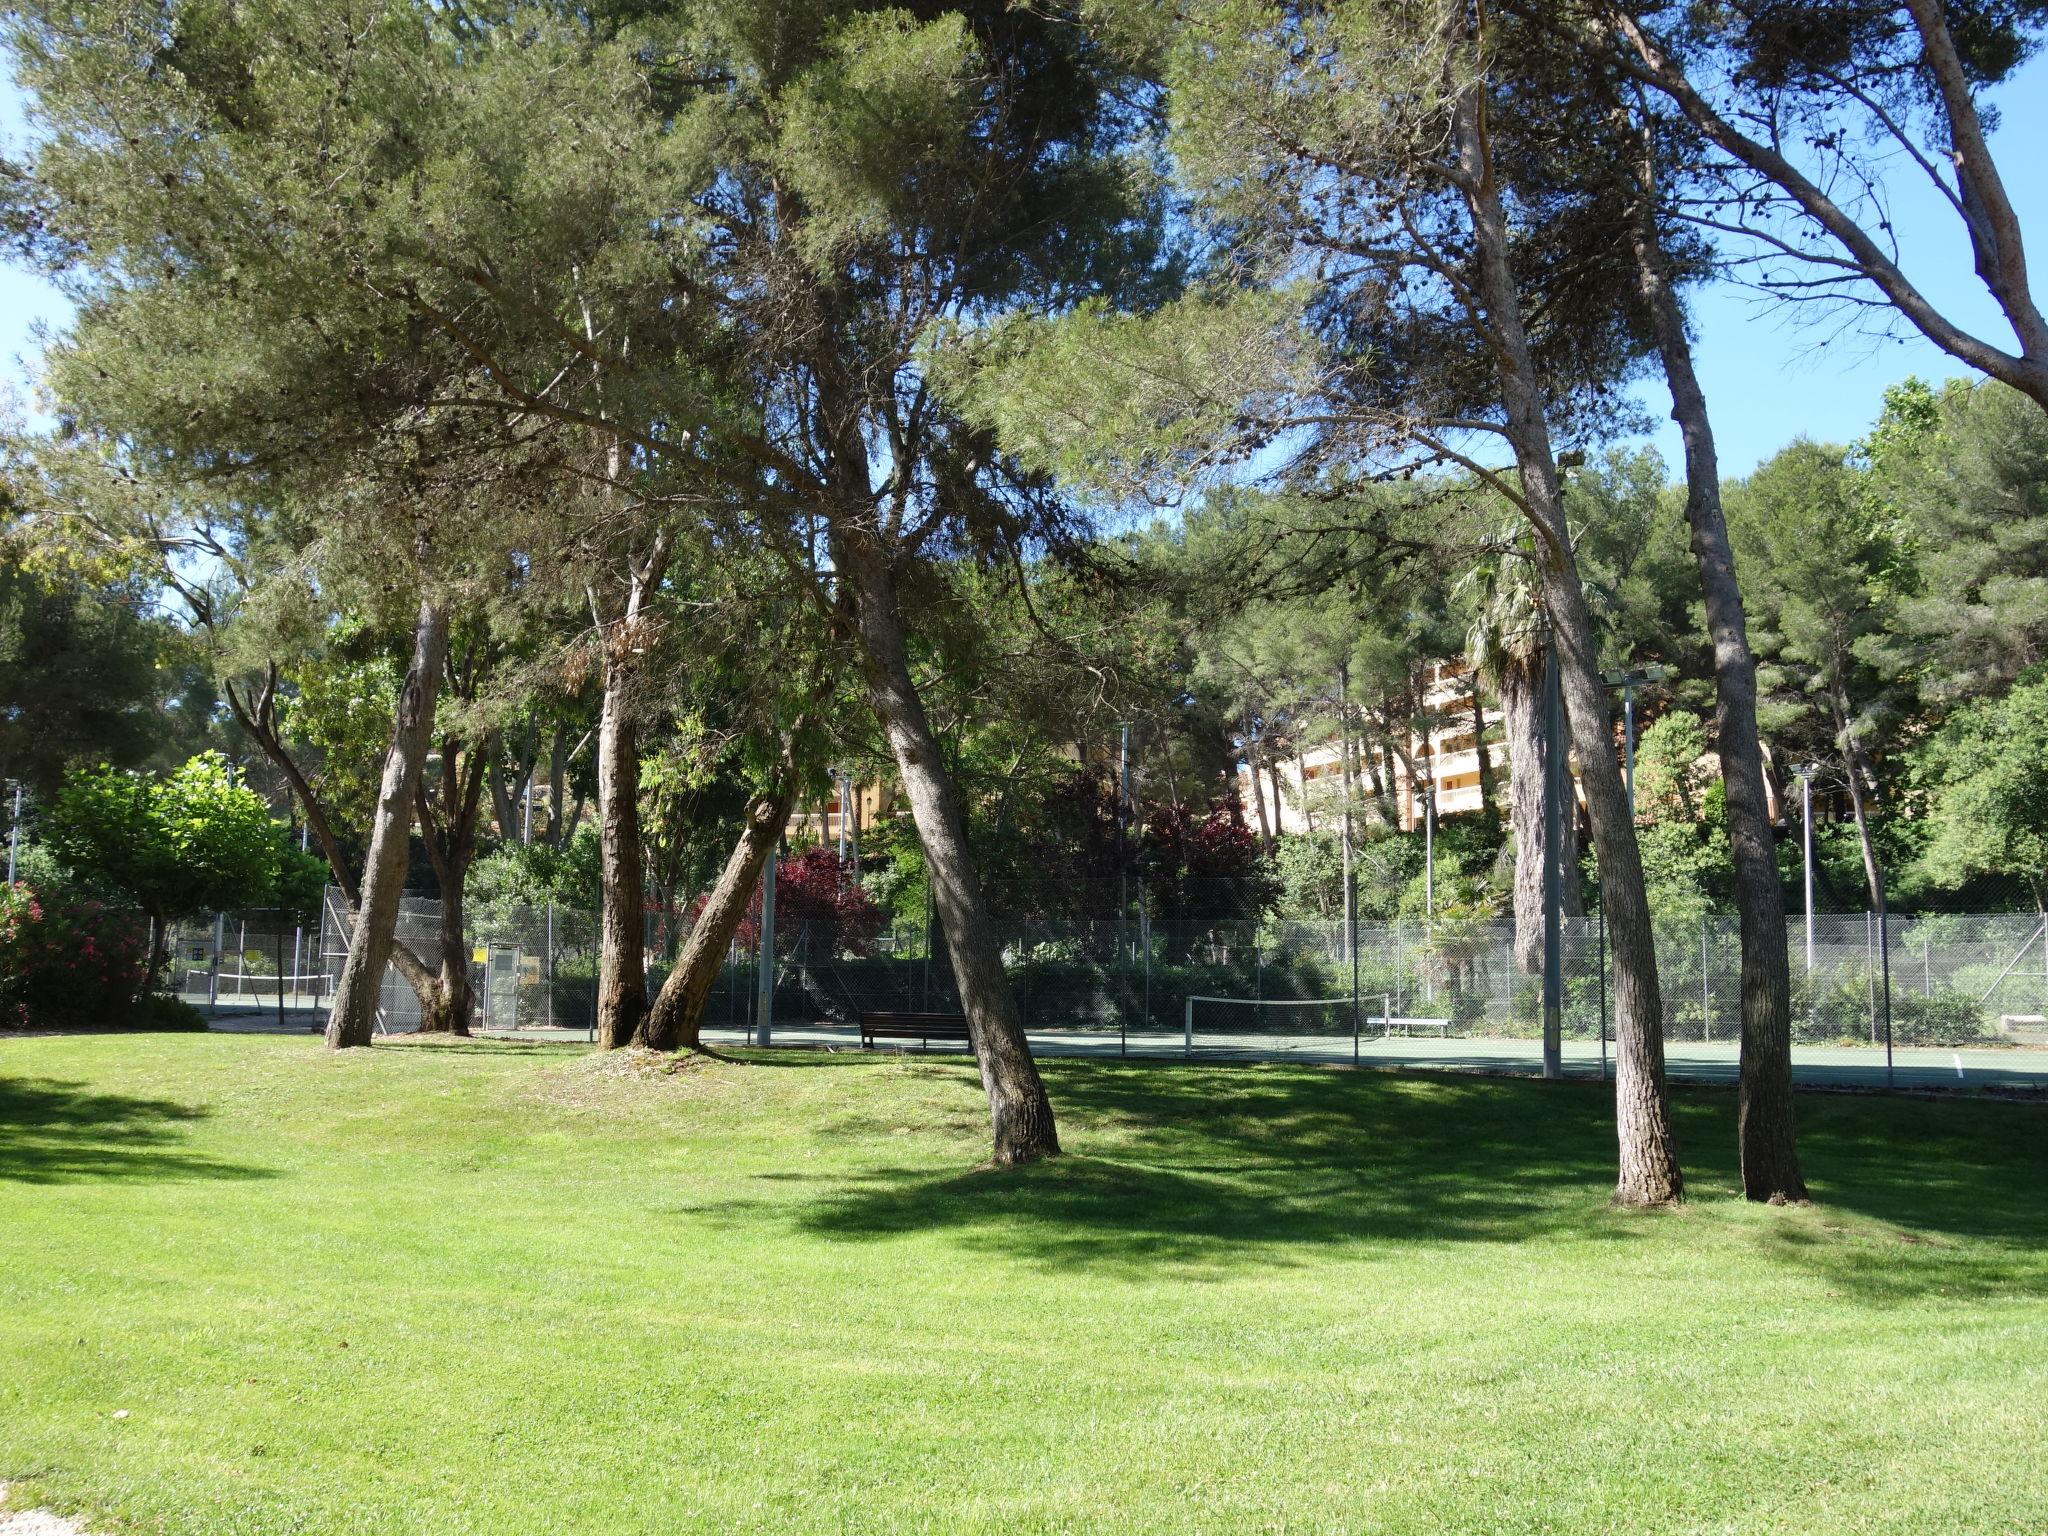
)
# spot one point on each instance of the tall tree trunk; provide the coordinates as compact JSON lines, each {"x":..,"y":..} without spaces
{"x":1308,"y":815}
{"x":622,"y":944}
{"x":1765,"y":1123}
{"x":501,"y":792}
{"x":1251,"y":757}
{"x":1489,"y":792}
{"x":449,"y":832}
{"x":676,"y":1021}
{"x":453,"y":998}
{"x":557,"y":764}
{"x":1020,"y":1113}
{"x":1648,"y":1154}
{"x":622,"y":957}
{"x":1873,"y":872}
{"x":353,"y":1018}
{"x":1521,"y":708}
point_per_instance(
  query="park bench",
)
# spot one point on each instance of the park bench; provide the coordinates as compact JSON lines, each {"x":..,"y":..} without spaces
{"x":1410,"y":1026}
{"x":922,"y":1027}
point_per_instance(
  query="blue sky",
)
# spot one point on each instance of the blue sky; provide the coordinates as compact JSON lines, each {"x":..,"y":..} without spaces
{"x":1770,"y":376}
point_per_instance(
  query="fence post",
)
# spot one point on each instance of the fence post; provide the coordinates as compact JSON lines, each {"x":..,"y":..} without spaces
{"x":1706,"y":989}
{"x":220,"y":935}
{"x":1187,"y":1029}
{"x":1351,"y":937}
{"x":1884,"y":956}
{"x":1145,"y":938}
{"x":765,"y":1023}
{"x":1870,"y":970}
{"x":547,"y":969}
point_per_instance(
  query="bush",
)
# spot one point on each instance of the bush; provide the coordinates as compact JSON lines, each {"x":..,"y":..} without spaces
{"x":66,"y":963}
{"x":1945,"y":1018}
{"x":157,"y":1011}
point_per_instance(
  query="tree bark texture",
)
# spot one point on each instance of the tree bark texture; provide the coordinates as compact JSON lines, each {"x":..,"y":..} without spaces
{"x":1765,"y":1121}
{"x":448,"y":827}
{"x":622,"y":953}
{"x":1648,"y":1153}
{"x":1489,"y":793}
{"x":1521,"y":712}
{"x":622,"y":857}
{"x":1020,"y":1113}
{"x":676,"y":1021}
{"x":353,"y":1018}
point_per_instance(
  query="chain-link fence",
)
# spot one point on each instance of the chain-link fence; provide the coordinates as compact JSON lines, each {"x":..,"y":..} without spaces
{"x":1943,"y":983}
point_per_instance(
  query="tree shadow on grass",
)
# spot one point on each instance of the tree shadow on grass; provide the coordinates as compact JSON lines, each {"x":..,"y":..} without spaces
{"x":1218,"y":1168}
{"x":55,"y":1132}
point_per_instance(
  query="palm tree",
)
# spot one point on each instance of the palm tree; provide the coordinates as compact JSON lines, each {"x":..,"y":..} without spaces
{"x":1505,"y":644}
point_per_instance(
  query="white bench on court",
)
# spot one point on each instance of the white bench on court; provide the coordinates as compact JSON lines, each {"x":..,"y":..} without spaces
{"x":1410,"y":1026}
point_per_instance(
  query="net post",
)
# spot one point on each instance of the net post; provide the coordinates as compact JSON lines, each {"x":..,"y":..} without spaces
{"x":1187,"y":1029}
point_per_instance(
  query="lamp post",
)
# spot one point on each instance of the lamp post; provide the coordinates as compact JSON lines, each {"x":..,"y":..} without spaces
{"x":14,"y":834}
{"x":1628,"y":679}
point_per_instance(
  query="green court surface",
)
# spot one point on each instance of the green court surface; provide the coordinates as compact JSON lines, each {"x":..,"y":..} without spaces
{"x":2016,"y":1068}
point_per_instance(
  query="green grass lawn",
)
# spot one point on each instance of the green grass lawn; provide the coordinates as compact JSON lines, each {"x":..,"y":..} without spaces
{"x":506,"y":1289}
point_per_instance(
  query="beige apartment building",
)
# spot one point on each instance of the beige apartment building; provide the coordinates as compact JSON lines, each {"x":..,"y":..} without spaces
{"x":1311,"y":782}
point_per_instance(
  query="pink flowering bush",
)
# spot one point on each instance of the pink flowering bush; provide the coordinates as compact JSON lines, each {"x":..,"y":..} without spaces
{"x":66,"y":963}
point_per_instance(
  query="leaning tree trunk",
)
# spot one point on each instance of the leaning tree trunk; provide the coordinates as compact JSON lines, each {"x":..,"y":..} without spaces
{"x":1020,"y":1113}
{"x":622,"y":956}
{"x":353,"y":1018}
{"x":1648,"y":1154}
{"x":676,"y":1021}
{"x":1765,"y":1126}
